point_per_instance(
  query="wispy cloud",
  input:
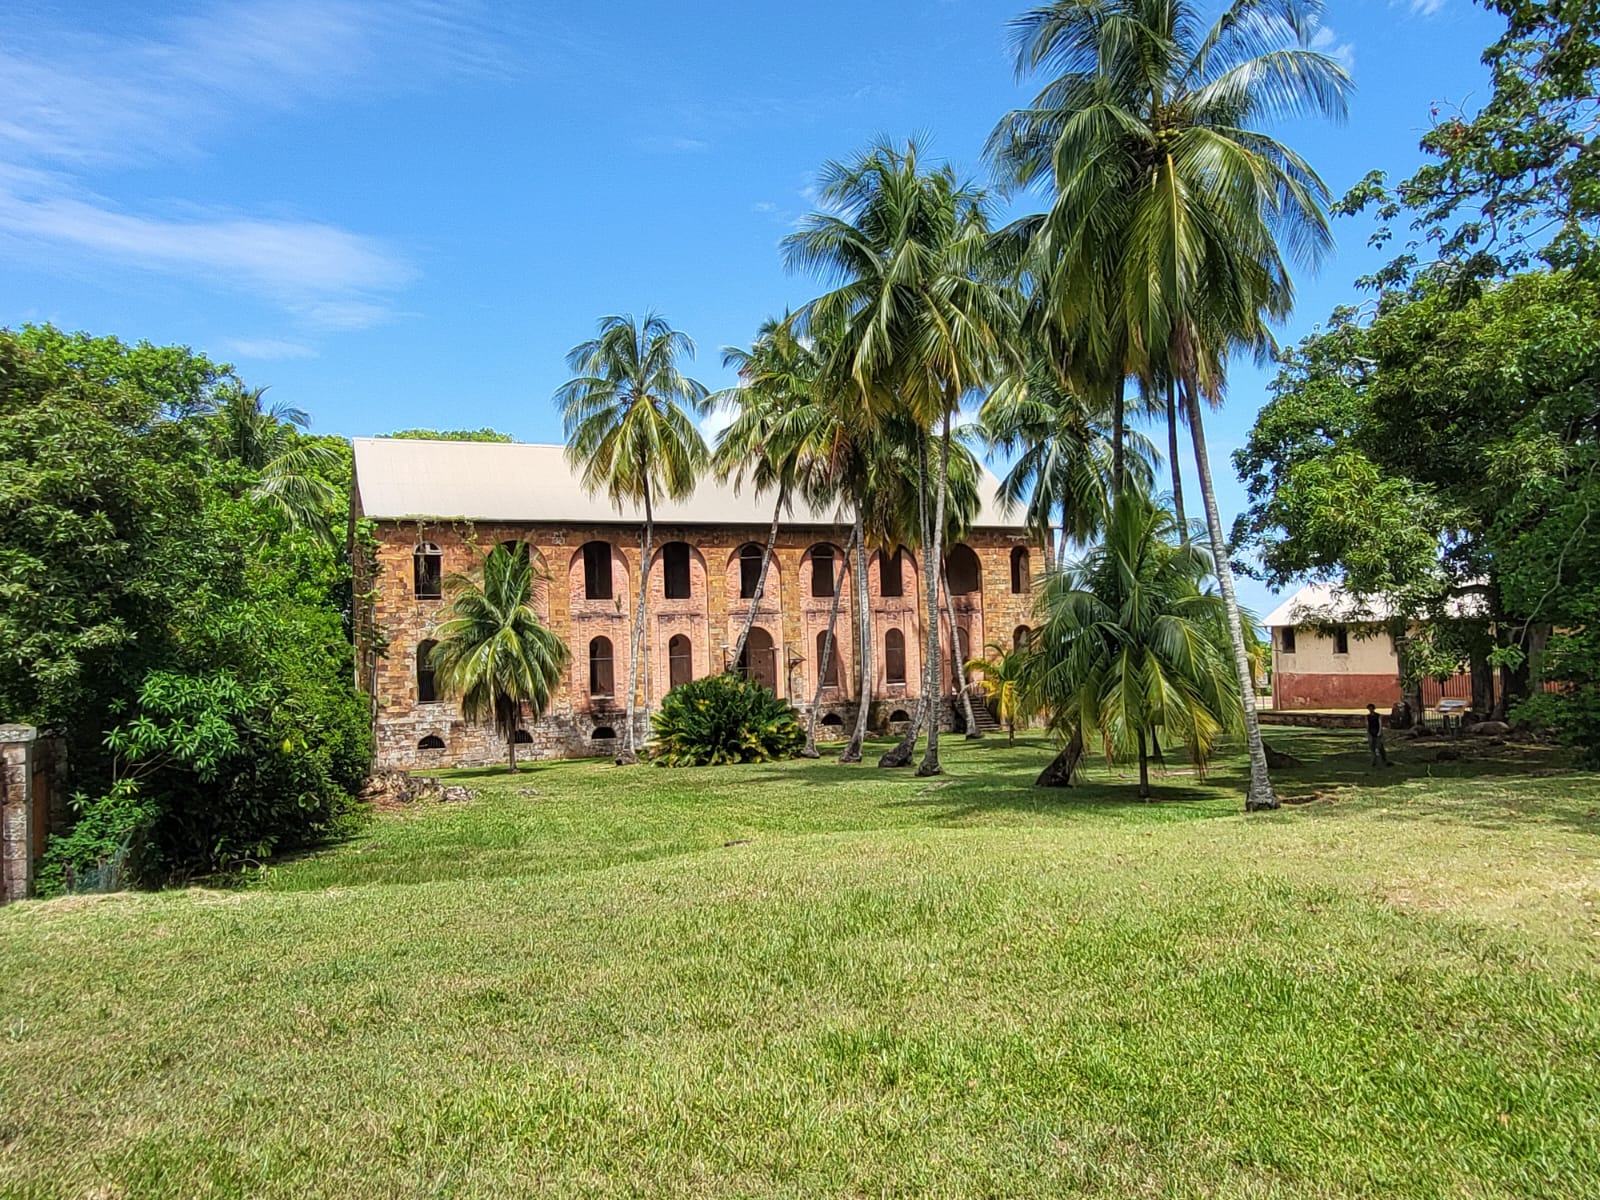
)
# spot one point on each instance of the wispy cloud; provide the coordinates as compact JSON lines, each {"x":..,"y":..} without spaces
{"x":1326,"y":41}
{"x":1426,"y":8}
{"x":267,"y":348}
{"x":673,"y":144}
{"x":76,"y":107}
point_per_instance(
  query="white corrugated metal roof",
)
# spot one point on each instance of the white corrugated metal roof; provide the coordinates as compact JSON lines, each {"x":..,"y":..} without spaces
{"x":407,"y":479}
{"x":1330,"y":604}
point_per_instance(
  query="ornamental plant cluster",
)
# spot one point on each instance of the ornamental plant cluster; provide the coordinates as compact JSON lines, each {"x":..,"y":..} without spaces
{"x":723,"y":719}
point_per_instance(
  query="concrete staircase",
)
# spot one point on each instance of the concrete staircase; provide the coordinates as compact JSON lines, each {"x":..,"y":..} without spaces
{"x":980,"y":713}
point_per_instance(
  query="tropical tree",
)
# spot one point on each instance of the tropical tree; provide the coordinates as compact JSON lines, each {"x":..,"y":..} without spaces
{"x":627,"y":417}
{"x":1000,"y":679}
{"x":493,"y":652}
{"x":1132,"y":649}
{"x":920,"y":319}
{"x":776,"y":377}
{"x":290,"y":471}
{"x":1172,"y":214}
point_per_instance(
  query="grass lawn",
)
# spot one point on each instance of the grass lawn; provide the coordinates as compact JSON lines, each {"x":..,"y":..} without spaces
{"x":812,"y":980}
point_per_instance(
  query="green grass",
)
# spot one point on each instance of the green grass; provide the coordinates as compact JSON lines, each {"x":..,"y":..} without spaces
{"x":811,"y":980}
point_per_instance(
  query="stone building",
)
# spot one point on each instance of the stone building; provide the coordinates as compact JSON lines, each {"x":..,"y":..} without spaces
{"x":437,"y":507}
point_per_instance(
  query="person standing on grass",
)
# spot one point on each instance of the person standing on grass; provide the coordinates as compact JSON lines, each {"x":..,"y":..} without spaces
{"x":1375,"y":737}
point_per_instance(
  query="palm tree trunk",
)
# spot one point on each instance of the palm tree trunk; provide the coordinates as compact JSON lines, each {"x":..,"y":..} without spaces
{"x":961,"y":664}
{"x":511,"y":752}
{"x":630,"y":745}
{"x":1177,"y":471}
{"x":934,"y":556}
{"x":1119,"y":418}
{"x":1144,"y":768}
{"x":810,"y":748}
{"x":858,"y":537}
{"x":761,"y":579}
{"x":900,"y":754}
{"x":1260,"y":795}
{"x":1060,"y":771}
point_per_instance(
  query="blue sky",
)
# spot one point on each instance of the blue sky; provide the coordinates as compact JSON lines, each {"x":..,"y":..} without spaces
{"x":404,"y":212}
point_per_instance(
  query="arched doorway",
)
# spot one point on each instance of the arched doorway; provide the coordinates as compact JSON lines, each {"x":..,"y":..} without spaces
{"x":759,"y":660}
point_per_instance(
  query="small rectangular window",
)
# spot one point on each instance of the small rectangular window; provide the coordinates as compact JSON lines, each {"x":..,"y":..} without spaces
{"x":890,"y":581}
{"x":1286,"y":639}
{"x":1341,"y":640}
{"x":675,"y":570}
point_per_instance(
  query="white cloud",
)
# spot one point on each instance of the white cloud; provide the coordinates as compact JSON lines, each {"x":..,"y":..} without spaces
{"x":1326,"y":41}
{"x":1425,"y":8}
{"x":673,"y":144}
{"x":267,"y":348}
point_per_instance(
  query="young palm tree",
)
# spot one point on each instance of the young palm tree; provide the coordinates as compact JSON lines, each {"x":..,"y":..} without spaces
{"x":920,"y":317}
{"x":776,"y":376}
{"x":629,"y":431}
{"x":493,"y":652}
{"x":1172,"y":213}
{"x":292,"y":471}
{"x":1132,"y":647}
{"x":1000,"y":679}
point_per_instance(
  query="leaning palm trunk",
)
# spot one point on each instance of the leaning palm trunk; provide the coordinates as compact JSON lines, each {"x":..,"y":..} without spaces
{"x":1064,"y":765}
{"x":810,"y":748}
{"x":1177,"y":464}
{"x":959,"y":661}
{"x":761,"y":579}
{"x":899,"y":755}
{"x":934,"y":558}
{"x":630,"y":746}
{"x":858,"y":535}
{"x":1260,"y":795}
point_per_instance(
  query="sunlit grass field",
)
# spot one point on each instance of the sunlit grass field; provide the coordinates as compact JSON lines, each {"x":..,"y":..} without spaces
{"x":813,"y":980}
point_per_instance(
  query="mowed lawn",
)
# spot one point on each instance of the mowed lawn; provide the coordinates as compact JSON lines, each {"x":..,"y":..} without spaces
{"x":812,"y":980}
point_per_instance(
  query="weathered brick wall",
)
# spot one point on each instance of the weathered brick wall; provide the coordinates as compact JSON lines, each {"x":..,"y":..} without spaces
{"x":711,"y":618}
{"x":16,"y":811}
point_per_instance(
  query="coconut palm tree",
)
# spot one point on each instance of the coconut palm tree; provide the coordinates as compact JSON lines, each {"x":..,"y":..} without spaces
{"x":627,"y":417}
{"x":493,"y":652}
{"x":776,"y":376}
{"x":291,"y":470}
{"x":1172,"y":214}
{"x":921,"y":320}
{"x":1132,"y":647}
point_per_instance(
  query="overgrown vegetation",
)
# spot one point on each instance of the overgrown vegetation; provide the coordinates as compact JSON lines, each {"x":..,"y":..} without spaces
{"x":723,"y":719}
{"x":172,"y":602}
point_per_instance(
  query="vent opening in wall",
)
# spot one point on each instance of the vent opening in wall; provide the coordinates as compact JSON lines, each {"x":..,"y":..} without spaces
{"x":833,"y":720}
{"x":431,"y":743}
{"x":603,"y":734}
{"x":899,"y":714}
{"x":523,"y":737}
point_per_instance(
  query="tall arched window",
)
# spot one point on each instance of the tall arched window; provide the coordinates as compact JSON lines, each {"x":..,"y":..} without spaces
{"x":891,"y":580}
{"x":427,"y":575}
{"x":962,"y":570}
{"x":828,"y":658}
{"x":1021,"y":637}
{"x":680,"y":660}
{"x":1021,"y":577}
{"x":426,"y":692}
{"x":749,"y":570}
{"x":597,"y":571}
{"x":514,"y":547}
{"x":894,"y":657}
{"x":600,"y":676}
{"x":822,"y":572}
{"x":675,"y":571}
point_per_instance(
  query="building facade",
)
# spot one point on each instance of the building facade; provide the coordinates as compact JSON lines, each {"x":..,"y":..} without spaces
{"x":435,"y":509}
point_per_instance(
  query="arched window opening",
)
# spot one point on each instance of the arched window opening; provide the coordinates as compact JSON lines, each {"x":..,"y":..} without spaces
{"x":431,"y":742}
{"x":603,"y":734}
{"x":597,"y":571}
{"x":1021,"y":638}
{"x":891,"y":577}
{"x":760,"y":660}
{"x":828,"y":657}
{"x":675,"y":571}
{"x":894,"y":657}
{"x":822,"y":572}
{"x":427,"y":693}
{"x":1021,"y":576}
{"x":680,"y":661}
{"x":961,"y":569}
{"x":514,"y":547}
{"x":600,"y":676}
{"x":899,"y":716}
{"x":749,"y":571}
{"x":427,"y":571}
{"x":833,"y":721}
{"x":522,"y":737}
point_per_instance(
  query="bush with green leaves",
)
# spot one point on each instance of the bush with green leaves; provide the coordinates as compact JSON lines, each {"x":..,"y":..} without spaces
{"x":723,"y":719}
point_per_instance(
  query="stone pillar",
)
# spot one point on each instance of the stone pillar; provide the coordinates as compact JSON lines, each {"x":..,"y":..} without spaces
{"x":16,"y":811}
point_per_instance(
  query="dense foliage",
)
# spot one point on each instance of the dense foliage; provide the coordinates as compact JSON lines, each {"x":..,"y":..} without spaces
{"x":449,"y":435}
{"x":170,"y":606}
{"x":723,"y":719}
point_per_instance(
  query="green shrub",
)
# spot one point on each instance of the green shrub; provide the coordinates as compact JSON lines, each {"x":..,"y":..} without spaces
{"x":723,"y":719}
